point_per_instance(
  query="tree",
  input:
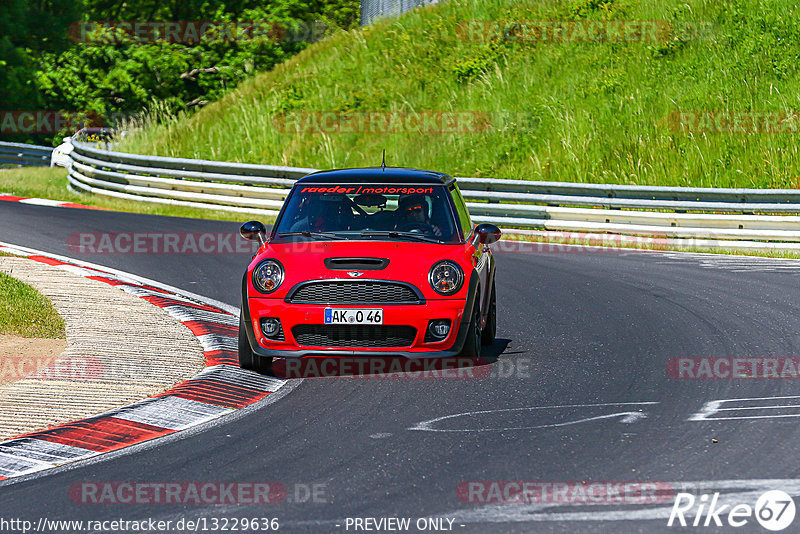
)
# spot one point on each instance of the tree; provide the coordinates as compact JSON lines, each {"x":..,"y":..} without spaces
{"x":47,"y":63}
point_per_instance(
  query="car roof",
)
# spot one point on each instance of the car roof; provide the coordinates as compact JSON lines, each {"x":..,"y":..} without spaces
{"x":378,"y":175}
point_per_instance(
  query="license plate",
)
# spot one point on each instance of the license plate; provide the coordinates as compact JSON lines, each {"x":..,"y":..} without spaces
{"x":353,"y":316}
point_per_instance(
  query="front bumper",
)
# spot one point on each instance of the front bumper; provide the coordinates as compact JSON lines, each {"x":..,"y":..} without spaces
{"x":458,"y":311}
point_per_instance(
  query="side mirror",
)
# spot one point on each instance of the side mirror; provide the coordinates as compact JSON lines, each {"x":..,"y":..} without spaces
{"x":254,"y":230}
{"x":487,"y":233}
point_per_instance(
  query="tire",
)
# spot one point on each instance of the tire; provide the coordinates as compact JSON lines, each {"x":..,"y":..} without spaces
{"x":247,"y":358}
{"x":472,"y":345}
{"x":490,"y":328}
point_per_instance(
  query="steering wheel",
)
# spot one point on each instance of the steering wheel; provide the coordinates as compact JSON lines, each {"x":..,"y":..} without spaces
{"x":418,"y":227}
{"x":356,"y":207}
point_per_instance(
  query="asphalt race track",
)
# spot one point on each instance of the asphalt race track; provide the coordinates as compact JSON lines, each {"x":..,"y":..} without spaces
{"x":577,"y":390}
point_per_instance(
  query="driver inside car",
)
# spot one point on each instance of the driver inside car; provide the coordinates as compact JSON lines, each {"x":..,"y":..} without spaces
{"x":323,"y":214}
{"x":413,"y":215}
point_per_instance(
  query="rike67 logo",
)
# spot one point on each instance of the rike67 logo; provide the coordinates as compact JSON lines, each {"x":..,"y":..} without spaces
{"x":774,"y":510}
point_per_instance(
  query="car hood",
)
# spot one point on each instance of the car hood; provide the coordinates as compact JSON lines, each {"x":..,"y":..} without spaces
{"x":407,"y":262}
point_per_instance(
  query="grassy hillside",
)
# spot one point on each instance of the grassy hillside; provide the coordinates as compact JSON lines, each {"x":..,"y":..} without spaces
{"x":568,"y":110}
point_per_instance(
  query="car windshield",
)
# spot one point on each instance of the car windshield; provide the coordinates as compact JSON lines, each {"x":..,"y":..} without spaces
{"x":377,"y":211}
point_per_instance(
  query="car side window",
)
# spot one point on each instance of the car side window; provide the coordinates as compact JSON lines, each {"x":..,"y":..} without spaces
{"x":461,"y":209}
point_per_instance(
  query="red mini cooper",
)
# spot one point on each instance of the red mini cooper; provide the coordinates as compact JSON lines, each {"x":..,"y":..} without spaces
{"x":376,"y":262}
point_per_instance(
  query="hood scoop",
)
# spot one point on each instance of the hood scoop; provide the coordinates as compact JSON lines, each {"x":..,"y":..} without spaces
{"x":359,"y":264}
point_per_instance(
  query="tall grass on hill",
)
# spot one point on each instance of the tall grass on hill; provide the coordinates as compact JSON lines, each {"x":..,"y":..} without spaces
{"x":566,"y":111}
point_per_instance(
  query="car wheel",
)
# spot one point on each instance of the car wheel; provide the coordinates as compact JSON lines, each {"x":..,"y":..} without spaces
{"x":247,"y":358}
{"x":472,"y":345}
{"x":490,"y":329}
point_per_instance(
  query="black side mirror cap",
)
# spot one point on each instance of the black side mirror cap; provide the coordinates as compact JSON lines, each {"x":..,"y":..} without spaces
{"x":254,"y":231}
{"x":487,"y":233}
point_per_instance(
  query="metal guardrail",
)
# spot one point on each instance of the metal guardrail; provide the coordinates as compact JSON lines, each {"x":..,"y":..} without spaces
{"x":374,"y":9}
{"x":642,"y":192}
{"x":671,"y":212}
{"x":24,"y":154}
{"x":247,"y":188}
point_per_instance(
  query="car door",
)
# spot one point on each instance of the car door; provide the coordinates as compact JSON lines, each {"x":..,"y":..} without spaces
{"x":482,"y":257}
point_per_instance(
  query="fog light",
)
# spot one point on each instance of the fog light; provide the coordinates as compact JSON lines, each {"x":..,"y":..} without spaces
{"x":271,"y":327}
{"x":439,"y":328}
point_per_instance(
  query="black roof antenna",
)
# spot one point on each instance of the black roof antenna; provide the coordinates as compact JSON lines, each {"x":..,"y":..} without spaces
{"x":383,"y":162}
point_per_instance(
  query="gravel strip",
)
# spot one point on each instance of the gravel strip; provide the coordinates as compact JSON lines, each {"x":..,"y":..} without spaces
{"x":120,"y":349}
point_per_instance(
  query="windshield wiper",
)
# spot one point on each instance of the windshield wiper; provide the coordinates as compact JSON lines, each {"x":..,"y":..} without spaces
{"x":410,"y":235}
{"x":306,"y":233}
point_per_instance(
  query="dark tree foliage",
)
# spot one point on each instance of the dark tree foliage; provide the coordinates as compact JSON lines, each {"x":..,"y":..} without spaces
{"x":27,"y":30}
{"x":52,"y":59}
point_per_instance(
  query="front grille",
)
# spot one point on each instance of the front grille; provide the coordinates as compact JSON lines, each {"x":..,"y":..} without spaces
{"x":358,"y":335}
{"x":363,"y":292}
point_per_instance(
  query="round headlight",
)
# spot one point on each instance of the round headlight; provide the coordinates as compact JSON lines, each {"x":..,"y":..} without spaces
{"x":267,"y":276}
{"x":446,"y":277}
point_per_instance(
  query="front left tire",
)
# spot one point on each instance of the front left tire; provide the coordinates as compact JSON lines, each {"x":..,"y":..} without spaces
{"x":472,"y":345}
{"x":490,"y":328}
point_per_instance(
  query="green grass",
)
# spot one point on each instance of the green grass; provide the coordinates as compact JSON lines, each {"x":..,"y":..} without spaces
{"x":27,"y":313}
{"x":51,"y":183}
{"x":563,"y":111}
